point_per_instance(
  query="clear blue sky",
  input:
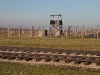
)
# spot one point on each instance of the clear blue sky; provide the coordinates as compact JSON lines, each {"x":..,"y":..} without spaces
{"x":37,"y":12}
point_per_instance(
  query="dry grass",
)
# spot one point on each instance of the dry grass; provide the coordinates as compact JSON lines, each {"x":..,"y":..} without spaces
{"x":58,"y":43}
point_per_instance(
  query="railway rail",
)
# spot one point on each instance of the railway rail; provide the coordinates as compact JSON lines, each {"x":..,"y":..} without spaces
{"x":73,"y":58}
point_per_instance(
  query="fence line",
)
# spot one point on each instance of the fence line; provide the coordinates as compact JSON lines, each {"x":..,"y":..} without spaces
{"x":42,"y":32}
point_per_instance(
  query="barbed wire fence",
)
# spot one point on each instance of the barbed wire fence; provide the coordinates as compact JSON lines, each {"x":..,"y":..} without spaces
{"x":44,"y":31}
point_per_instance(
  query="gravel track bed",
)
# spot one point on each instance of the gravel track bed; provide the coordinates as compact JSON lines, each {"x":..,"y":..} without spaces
{"x":58,"y":57}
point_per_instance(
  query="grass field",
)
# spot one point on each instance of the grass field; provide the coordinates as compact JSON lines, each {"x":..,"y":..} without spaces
{"x":22,"y":69}
{"x":59,"y":43}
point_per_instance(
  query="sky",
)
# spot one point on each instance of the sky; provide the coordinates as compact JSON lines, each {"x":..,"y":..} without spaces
{"x":37,"y":12}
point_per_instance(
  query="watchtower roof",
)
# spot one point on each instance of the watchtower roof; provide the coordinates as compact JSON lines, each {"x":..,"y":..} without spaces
{"x":56,"y":15}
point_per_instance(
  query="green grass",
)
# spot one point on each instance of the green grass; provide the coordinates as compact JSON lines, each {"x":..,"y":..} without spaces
{"x":58,"y":43}
{"x":22,"y":69}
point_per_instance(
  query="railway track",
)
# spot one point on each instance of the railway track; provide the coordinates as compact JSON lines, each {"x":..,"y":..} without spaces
{"x":73,"y":58}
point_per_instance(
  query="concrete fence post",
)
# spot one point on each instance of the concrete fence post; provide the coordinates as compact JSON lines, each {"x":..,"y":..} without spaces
{"x":43,"y":31}
{"x":9,"y":31}
{"x":32,"y":29}
{"x":82,"y":32}
{"x":97,"y":32}
{"x":20,"y":32}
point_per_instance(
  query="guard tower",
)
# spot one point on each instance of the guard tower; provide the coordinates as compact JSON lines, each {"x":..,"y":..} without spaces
{"x":56,"y":24}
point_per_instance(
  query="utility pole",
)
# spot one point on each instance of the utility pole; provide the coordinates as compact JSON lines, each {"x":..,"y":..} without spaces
{"x":9,"y":31}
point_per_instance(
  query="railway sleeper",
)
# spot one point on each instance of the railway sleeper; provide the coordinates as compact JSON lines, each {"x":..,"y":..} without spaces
{"x":88,"y":62}
{"x":11,"y":57}
{"x":63,"y":60}
{"x":47,"y":59}
{"x":16,"y":50}
{"x":28,"y":51}
{"x":1,"y":53}
{"x":78,"y":53}
{"x":21,"y":54}
{"x":37,"y":59}
{"x":98,"y":54}
{"x":97,"y":63}
{"x":0,"y":56}
{"x":3,"y":49}
{"x":92,"y":53}
{"x":27,"y":58}
{"x":59,"y":52}
{"x":95,"y":58}
{"x":36,"y":51}
{"x":63,"y":57}
{"x":53,"y":56}
{"x":75,"y":57}
{"x":80,"y":58}
{"x":4,"y":57}
{"x":19,"y":58}
{"x":53,"y":52}
{"x":10,"y":50}
{"x":69,"y":57}
{"x":15,"y":54}
{"x":30,"y":55}
{"x":55,"y":60}
{"x":67,"y":60}
{"x":7,"y":53}
{"x":84,"y":53}
{"x":37,"y":55}
{"x":44,"y":56}
{"x":45,"y":51}
{"x":83,"y":58}
{"x":67,"y":53}
{"x":4,"y":53}
{"x":31,"y":51}
{"x":77,"y":62}
{"x":92,"y":58}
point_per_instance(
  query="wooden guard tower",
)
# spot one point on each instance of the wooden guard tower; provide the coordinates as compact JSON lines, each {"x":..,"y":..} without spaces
{"x":56,"y":24}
